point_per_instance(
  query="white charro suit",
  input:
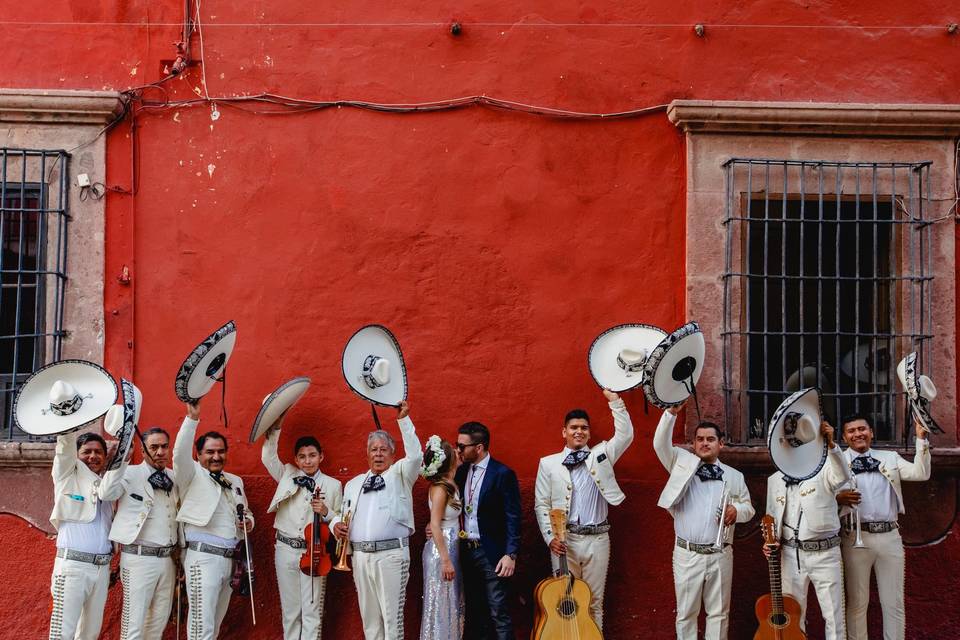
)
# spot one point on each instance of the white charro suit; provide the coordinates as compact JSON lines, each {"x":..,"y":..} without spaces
{"x":207,"y":509}
{"x":588,"y":556}
{"x":146,"y":520}
{"x":79,"y":588}
{"x":381,"y":576}
{"x":817,"y":519}
{"x":301,"y":602}
{"x":884,"y":553}
{"x":697,"y":577}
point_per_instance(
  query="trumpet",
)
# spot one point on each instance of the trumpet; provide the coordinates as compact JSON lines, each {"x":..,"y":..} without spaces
{"x":343,"y":545}
{"x":717,"y":546}
{"x":858,"y":543}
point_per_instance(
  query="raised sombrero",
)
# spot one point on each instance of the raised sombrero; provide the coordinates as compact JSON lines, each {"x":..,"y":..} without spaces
{"x":275,"y":406}
{"x":671,"y":373}
{"x":121,"y":422}
{"x":62,"y":397}
{"x":617,"y":356}
{"x":797,"y":447}
{"x":205,"y":364}
{"x":920,"y":392}
{"x":373,"y":366}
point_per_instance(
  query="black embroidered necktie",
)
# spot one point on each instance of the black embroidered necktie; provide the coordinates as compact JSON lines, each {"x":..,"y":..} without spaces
{"x":865,"y":464}
{"x":373,"y":483}
{"x":160,"y":480}
{"x":306,"y":482}
{"x":575,"y":458}
{"x":220,"y":480}
{"x":708,"y":472}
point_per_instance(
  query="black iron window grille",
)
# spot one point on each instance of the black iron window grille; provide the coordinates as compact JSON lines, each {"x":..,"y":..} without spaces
{"x":33,"y":238}
{"x":826,"y":283}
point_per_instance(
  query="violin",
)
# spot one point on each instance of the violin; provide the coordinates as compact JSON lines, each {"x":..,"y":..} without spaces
{"x":316,"y":560}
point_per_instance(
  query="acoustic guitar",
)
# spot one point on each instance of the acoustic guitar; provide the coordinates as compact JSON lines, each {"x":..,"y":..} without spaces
{"x":563,"y":602}
{"x":778,"y":615}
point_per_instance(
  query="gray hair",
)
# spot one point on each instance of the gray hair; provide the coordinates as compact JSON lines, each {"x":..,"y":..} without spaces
{"x":382,"y":435}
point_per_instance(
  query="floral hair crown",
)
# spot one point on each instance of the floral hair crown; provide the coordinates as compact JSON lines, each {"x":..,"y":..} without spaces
{"x":434,"y":445}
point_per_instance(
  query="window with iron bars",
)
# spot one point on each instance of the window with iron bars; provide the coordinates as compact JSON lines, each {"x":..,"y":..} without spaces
{"x":33,"y":219}
{"x":826,"y":284}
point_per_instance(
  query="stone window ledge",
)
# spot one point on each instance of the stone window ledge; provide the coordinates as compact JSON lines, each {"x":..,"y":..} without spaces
{"x":59,"y":107}
{"x":26,"y":454}
{"x":756,"y":460}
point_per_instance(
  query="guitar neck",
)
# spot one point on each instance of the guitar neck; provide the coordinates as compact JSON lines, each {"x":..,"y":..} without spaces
{"x":776,"y":589}
{"x":564,"y":569}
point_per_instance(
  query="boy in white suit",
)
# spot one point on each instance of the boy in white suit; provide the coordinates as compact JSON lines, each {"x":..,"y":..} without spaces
{"x":302,"y":490}
{"x":208,"y":510}
{"x":693,"y":495}
{"x":878,"y":494}
{"x":580,"y":480}
{"x":380,"y":504}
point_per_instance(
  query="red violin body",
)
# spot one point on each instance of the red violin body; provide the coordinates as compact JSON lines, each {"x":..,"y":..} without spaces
{"x":316,"y":561}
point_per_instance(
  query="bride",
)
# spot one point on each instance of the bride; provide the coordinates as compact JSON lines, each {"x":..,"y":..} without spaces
{"x":442,"y":586}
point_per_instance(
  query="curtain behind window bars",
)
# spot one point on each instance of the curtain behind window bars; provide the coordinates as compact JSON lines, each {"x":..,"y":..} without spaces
{"x":826,"y":284}
{"x":33,"y":224}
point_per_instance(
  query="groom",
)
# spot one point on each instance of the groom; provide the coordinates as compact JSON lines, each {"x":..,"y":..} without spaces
{"x":491,"y":520}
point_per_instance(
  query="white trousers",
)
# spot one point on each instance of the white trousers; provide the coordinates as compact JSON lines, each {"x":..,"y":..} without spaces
{"x":706,"y":577}
{"x":825,"y":570}
{"x":301,"y":604}
{"x":588,"y":558}
{"x":884,"y":555}
{"x":79,"y":591}
{"x":208,"y":591}
{"x":381,"y":580}
{"x":148,"y":584}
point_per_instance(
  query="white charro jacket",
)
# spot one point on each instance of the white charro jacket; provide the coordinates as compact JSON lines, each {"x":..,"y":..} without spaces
{"x":896,"y":470}
{"x":292,"y":504}
{"x":399,"y":479}
{"x":818,"y":501}
{"x":554,"y":488}
{"x":77,"y":489}
{"x":136,"y":502}
{"x":682,"y":467}
{"x":200,"y":493}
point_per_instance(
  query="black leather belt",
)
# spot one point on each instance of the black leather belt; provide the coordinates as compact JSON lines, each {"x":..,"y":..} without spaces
{"x":144,"y":550}
{"x":380,"y":545}
{"x":813,"y":545}
{"x":83,"y":556}
{"x":203,"y":547}
{"x":295,"y":543}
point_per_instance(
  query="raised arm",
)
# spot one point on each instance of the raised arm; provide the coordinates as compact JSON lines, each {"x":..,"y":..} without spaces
{"x":541,"y":503}
{"x":269,"y":455}
{"x":622,"y":426}
{"x":412,"y":449}
{"x":919,"y":469}
{"x":663,"y":440}
{"x":183,"y":466}
{"x":65,"y":457}
{"x":838,"y":471}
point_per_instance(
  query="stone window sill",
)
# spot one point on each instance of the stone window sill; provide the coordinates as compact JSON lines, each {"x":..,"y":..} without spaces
{"x":756,"y":460}
{"x":26,"y":454}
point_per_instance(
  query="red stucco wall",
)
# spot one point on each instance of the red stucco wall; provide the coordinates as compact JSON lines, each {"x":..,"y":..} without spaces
{"x":496,"y":245}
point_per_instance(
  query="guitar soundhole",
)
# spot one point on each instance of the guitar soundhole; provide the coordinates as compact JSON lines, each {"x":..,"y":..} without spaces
{"x":779,"y":620}
{"x":567,"y":607}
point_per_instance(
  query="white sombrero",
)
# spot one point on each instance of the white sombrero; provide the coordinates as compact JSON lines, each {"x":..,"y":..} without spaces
{"x":867,"y":364}
{"x":796,"y":446}
{"x":373,"y":366}
{"x":617,"y":355}
{"x":205,"y":364}
{"x":121,"y":422}
{"x":276,"y":405}
{"x":673,"y":369}
{"x":920,"y":391}
{"x":62,"y":397}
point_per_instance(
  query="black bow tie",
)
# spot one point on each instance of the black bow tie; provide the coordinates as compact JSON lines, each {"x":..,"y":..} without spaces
{"x":575,"y":458}
{"x":160,"y":480}
{"x":373,"y":483}
{"x":865,"y":464}
{"x":708,"y":472}
{"x":220,"y":480}
{"x":306,"y":482}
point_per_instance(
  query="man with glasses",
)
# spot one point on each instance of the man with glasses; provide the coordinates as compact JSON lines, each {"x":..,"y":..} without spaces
{"x":491,"y":534}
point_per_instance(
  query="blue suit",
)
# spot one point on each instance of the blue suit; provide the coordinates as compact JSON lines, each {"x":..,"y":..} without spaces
{"x":498,"y":517}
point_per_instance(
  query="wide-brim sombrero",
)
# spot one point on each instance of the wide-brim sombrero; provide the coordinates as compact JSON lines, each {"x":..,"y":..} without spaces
{"x":205,"y":364}
{"x":375,"y":347}
{"x":607,"y":366}
{"x":920,"y":391}
{"x":794,"y":459}
{"x":275,"y":406}
{"x":96,"y":393}
{"x":123,"y":425}
{"x":673,"y":369}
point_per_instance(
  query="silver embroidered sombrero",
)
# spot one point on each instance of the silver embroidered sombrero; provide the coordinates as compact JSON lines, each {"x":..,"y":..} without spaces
{"x":373,"y":366}
{"x":672,"y":371}
{"x":275,"y":406}
{"x":796,"y":445}
{"x":616,"y":357}
{"x":121,"y":422}
{"x":62,"y":397}
{"x":920,"y":392}
{"x":206,"y":363}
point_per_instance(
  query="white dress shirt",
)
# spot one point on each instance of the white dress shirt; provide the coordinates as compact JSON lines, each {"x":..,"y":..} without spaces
{"x":221,"y":531}
{"x":587,"y":506}
{"x":878,"y":502}
{"x":372,"y":522}
{"x":695,"y":516}
{"x":89,"y":537}
{"x":472,"y":490}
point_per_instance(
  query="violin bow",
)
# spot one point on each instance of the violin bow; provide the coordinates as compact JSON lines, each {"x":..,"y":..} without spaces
{"x":246,"y":548}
